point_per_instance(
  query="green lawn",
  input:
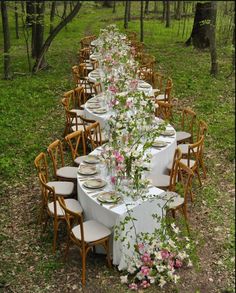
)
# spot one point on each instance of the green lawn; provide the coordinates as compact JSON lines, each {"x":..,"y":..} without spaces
{"x":32,"y":117}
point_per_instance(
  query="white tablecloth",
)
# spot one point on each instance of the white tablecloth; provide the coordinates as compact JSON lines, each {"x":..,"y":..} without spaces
{"x":142,"y":211}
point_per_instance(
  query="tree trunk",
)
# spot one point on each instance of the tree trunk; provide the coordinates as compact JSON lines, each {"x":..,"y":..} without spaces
{"x":114,"y":7}
{"x":52,"y":15}
{"x":164,"y":10}
{"x":141,"y":21}
{"x":155,"y":7}
{"x":107,"y":3}
{"x":16,"y":21}
{"x":146,"y":11}
{"x":212,"y":38}
{"x":64,"y":10}
{"x":6,"y":40}
{"x":129,"y":11}
{"x":200,"y":32}
{"x":54,"y":33}
{"x":178,"y":10}
{"x":126,"y":14}
{"x":33,"y":25}
{"x":167,"y":13}
{"x":26,"y":35}
{"x":39,"y":30}
{"x":29,"y":12}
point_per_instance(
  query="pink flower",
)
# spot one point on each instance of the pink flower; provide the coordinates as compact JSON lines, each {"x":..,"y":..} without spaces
{"x":133,"y":286}
{"x":178,"y":263}
{"x":113,"y":179}
{"x":119,"y":158}
{"x":171,"y":264}
{"x":113,"y":89}
{"x":133,"y":84}
{"x":146,"y":257}
{"x":145,"y":270}
{"x":165,"y":254}
{"x":141,"y":246}
{"x":145,"y":284}
{"x":129,"y":103}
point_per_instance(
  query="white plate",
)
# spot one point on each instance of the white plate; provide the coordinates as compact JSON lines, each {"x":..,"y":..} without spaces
{"x":91,"y":159}
{"x":87,"y":170}
{"x":108,"y":197}
{"x":100,"y":111}
{"x":168,"y":132}
{"x":94,"y":183}
{"x":159,"y":144}
{"x":93,"y":106}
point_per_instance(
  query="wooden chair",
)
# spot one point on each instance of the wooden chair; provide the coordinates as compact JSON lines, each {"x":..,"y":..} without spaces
{"x":86,"y":235}
{"x":193,"y":157}
{"x":63,"y":188}
{"x":94,"y":137}
{"x":53,"y":209}
{"x":187,"y":123}
{"x":202,"y":130}
{"x":166,"y":96}
{"x":76,"y":141}
{"x":164,"y":181}
{"x":157,"y":83}
{"x":177,"y":198}
{"x":164,"y":110}
{"x":73,"y":122}
{"x":97,"y":88}
{"x":61,"y":172}
{"x":80,"y":99}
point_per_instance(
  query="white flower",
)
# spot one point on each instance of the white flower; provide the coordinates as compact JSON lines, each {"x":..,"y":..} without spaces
{"x":158,"y":255}
{"x":171,"y":243}
{"x":176,"y":278}
{"x":138,"y":263}
{"x":131,"y":269}
{"x":175,"y":229}
{"x":162,"y":282}
{"x":190,"y":264}
{"x":151,"y":279}
{"x":124,"y":279}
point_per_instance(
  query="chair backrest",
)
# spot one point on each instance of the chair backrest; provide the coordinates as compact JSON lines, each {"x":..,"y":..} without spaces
{"x":92,"y":132}
{"x":168,"y":89}
{"x":194,"y":151}
{"x":75,"y":140}
{"x":83,"y":72}
{"x":97,"y":88}
{"x":164,"y":110}
{"x":95,"y":64}
{"x":183,"y":185}
{"x":188,"y":120}
{"x":157,"y":80}
{"x":72,"y":219}
{"x":174,"y":170}
{"x":48,"y":193}
{"x":84,"y":54}
{"x":79,"y":97}
{"x":41,"y":165}
{"x":55,"y":151}
{"x":202,"y":129}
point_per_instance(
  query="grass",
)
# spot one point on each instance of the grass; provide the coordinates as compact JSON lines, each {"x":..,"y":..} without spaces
{"x":32,"y":117}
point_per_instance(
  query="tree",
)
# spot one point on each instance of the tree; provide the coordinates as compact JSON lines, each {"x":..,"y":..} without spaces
{"x":126,"y":14}
{"x":6,"y":40}
{"x":141,"y":21}
{"x":178,"y":10}
{"x":200,"y":32}
{"x":212,"y":38}
{"x":167,"y":13}
{"x":146,"y":10}
{"x":163,"y":10}
{"x":52,"y":15}
{"x":16,"y":21}
{"x":40,"y":58}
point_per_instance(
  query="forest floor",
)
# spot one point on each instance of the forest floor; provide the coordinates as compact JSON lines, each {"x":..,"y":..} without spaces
{"x":32,"y":117}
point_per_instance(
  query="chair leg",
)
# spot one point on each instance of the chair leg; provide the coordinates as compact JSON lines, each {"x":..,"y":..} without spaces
{"x":198,"y":176}
{"x":83,"y":266}
{"x":55,"y":227}
{"x":67,"y":248}
{"x":184,"y":211}
{"x":203,"y":167}
{"x":107,"y":248}
{"x":45,"y":223}
{"x":173,"y":213}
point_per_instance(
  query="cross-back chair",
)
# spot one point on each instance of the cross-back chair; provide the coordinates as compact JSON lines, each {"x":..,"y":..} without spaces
{"x":166,"y":95}
{"x":177,"y":198}
{"x":53,"y":209}
{"x":77,"y":145}
{"x":97,"y":88}
{"x":94,"y":137}
{"x":201,"y":131}
{"x":188,"y":120}
{"x":164,"y":110}
{"x":61,"y":171}
{"x":63,"y":188}
{"x":167,"y":182}
{"x":86,"y":235}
